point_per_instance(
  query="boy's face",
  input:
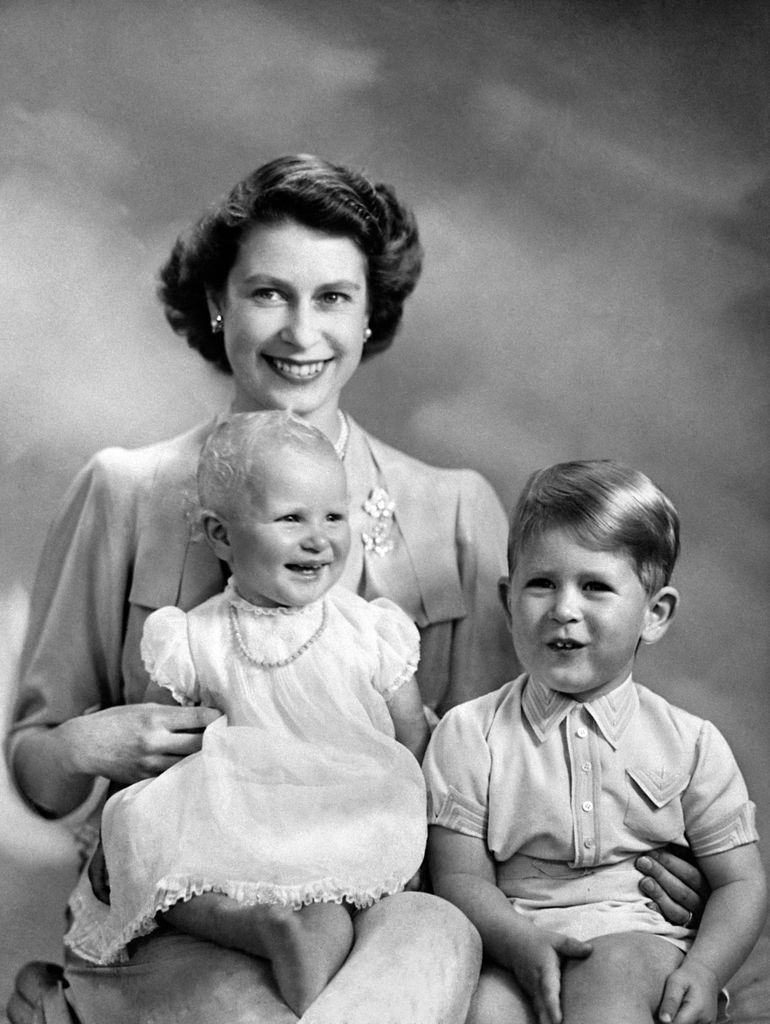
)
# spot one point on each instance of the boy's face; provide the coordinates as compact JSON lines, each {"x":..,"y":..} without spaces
{"x":577,"y":615}
{"x":290,"y":546}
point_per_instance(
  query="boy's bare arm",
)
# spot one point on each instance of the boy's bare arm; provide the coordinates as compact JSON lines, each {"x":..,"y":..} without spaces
{"x":463,"y":872}
{"x":732,"y":922}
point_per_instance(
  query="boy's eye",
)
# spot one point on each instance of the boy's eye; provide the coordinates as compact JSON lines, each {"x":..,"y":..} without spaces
{"x":597,"y":586}
{"x":539,"y":583}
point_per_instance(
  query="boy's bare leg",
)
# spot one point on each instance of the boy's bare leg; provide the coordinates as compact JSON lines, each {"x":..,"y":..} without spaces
{"x":498,"y":998}
{"x":305,"y":947}
{"x":622,"y":980}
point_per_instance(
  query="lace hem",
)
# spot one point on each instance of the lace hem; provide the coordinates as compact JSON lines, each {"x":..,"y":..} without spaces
{"x":94,"y":939}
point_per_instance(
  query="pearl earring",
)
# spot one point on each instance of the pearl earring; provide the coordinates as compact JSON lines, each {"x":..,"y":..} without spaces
{"x":367,"y":334}
{"x":216,"y":324}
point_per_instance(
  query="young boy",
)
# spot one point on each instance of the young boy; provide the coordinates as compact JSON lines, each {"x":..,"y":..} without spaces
{"x":543,"y":793}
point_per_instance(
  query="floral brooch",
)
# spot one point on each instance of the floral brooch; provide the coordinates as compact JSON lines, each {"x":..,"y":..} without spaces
{"x":377,"y":533}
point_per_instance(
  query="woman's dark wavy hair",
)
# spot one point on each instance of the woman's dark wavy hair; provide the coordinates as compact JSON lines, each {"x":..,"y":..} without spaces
{"x":314,"y":193}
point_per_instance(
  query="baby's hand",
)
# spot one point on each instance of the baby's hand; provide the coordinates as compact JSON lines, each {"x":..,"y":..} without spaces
{"x":536,"y":963}
{"x":690,"y":995}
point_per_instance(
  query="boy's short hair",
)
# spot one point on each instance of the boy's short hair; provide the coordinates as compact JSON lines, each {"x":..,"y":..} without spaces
{"x":606,"y":505}
{"x":232,"y":462}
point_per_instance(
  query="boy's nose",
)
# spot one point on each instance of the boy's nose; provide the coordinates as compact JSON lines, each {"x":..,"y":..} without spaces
{"x":316,"y":539}
{"x":566,"y":606}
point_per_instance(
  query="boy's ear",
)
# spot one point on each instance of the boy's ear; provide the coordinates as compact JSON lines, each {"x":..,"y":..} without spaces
{"x":661,"y":609}
{"x":217,"y":533}
{"x":504,"y":590}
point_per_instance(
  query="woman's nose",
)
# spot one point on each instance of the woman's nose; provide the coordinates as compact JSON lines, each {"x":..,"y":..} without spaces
{"x":301,"y":328}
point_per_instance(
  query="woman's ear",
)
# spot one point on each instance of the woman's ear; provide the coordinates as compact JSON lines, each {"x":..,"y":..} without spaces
{"x":217,"y":533}
{"x":213,"y":303}
{"x":661,"y":609}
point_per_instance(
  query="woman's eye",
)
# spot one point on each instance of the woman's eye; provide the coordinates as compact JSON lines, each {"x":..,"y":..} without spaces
{"x":334,"y":298}
{"x":267,"y":295}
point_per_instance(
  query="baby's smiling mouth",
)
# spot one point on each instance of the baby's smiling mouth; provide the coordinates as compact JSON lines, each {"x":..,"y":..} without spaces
{"x":306,"y":568}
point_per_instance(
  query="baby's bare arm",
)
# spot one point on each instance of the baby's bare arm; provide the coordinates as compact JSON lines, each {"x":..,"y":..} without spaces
{"x":732,"y":922}
{"x":463,"y":872}
{"x":408,"y":715}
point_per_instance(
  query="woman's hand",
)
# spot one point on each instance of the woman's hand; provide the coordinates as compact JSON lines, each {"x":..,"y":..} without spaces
{"x":134,"y":741}
{"x":55,"y":768}
{"x":674,"y":885}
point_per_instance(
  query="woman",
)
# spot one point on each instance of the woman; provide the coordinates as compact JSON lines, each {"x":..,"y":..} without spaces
{"x":288,"y":283}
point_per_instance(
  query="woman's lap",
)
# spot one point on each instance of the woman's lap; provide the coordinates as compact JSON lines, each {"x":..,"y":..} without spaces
{"x":415,"y":958}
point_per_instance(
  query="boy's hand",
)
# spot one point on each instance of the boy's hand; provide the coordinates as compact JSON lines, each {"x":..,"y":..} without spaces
{"x":690,"y":995}
{"x":536,"y":964}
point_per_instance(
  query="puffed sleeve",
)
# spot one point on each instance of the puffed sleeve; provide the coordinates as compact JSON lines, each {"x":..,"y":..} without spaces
{"x":165,"y":650}
{"x":472,"y":655}
{"x":718,"y":813}
{"x":398,"y":644}
{"x":71,"y":661}
{"x":457,"y":766}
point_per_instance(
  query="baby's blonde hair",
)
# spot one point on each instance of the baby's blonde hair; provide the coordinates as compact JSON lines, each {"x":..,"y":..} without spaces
{"x":231,"y":467}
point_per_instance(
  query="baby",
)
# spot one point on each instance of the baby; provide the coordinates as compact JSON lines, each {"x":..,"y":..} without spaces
{"x":543,"y":793}
{"x":307,"y":797}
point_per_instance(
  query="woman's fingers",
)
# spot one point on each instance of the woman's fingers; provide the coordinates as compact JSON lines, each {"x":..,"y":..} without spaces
{"x":673,"y":884}
{"x":135,"y":741}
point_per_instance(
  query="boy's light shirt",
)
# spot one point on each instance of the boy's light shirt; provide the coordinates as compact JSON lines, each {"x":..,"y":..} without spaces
{"x":538,"y":773}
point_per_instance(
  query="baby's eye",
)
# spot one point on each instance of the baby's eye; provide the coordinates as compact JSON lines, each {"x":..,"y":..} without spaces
{"x":290,"y":517}
{"x":598,"y":586}
{"x":539,"y":583}
{"x":336,"y":517}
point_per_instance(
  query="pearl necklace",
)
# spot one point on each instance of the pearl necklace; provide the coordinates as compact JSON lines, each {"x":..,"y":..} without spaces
{"x":341,"y":444}
{"x":240,"y":643}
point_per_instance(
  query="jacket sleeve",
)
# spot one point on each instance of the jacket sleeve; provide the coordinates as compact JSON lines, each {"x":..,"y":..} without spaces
{"x":465,"y":657}
{"x":71,"y":660}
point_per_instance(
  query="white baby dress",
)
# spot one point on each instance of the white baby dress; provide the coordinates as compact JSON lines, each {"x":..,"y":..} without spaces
{"x":301,"y":793}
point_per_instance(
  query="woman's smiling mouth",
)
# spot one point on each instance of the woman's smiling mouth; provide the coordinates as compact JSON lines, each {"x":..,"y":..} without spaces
{"x":294,"y":370}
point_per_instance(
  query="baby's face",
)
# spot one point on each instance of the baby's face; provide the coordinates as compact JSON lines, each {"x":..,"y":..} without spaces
{"x":289,"y":546}
{"x":577,"y":614}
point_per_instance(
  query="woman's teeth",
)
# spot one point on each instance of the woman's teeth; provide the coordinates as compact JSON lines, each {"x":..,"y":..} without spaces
{"x":300,"y":371}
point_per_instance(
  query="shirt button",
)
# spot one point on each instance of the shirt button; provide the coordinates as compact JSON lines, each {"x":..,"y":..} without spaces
{"x":582,"y":732}
{"x":588,"y":843}
{"x":587,"y":805}
{"x":586,"y":766}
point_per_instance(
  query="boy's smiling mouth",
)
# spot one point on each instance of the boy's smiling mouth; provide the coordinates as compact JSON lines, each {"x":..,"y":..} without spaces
{"x":565,"y":645}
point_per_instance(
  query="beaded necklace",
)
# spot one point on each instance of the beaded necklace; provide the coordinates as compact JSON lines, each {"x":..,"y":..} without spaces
{"x":240,"y":643}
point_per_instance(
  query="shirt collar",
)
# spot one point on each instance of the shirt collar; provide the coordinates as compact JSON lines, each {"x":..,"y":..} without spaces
{"x":546,"y":709}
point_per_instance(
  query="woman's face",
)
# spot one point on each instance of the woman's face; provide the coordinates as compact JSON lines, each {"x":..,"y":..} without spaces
{"x":294,"y":310}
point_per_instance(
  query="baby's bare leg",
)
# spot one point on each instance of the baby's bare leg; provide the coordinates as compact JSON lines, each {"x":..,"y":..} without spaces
{"x":305,"y":947}
{"x":498,"y":998}
{"x":622,"y":980}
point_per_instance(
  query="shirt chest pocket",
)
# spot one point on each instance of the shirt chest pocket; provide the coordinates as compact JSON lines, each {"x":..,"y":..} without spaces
{"x":654,"y":803}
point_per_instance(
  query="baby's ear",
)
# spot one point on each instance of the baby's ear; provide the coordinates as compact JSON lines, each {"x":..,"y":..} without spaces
{"x":217,"y":533}
{"x":504,"y":592}
{"x":661,"y":609}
